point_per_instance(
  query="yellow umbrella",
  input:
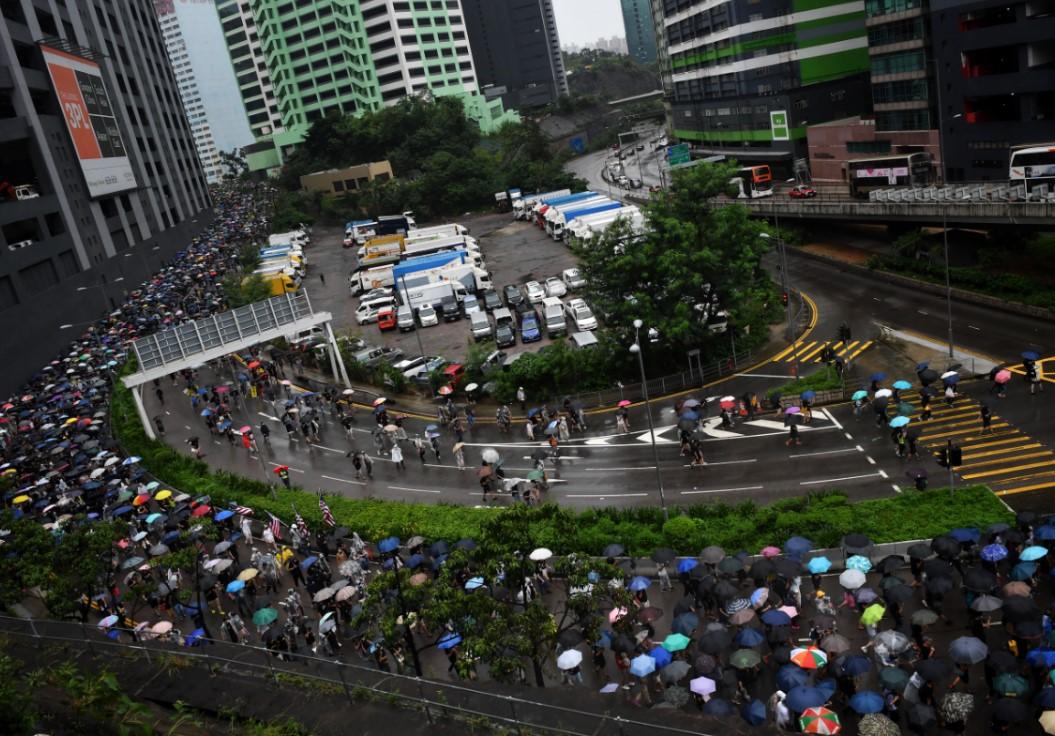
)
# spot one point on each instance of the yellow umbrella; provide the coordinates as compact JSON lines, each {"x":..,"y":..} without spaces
{"x":9,"y":471}
{"x":872,"y":614}
{"x":21,"y":499}
{"x":71,"y":420}
{"x":162,"y":495}
{"x":248,"y":574}
{"x":1047,"y":721}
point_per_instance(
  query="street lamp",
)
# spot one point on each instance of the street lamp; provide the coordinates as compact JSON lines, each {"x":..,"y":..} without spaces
{"x":785,"y":289}
{"x":944,"y":211}
{"x":636,"y":350}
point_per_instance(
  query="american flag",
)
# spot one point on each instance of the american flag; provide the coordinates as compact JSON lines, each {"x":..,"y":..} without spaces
{"x":327,"y":515}
{"x":298,"y":522}
{"x":242,"y":510}
{"x":276,"y":526}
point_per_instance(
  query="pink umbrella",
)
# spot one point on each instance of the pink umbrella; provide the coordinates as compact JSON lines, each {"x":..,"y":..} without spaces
{"x":1002,"y":376}
{"x":617,"y":613}
{"x":770,"y":551}
{"x":222,"y":389}
{"x":790,"y":610}
{"x":624,"y":402}
{"x":792,"y":410}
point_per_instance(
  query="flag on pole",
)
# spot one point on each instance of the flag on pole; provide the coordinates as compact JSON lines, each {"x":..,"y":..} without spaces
{"x":276,"y":526}
{"x":327,"y":515}
{"x":242,"y":510}
{"x":301,"y":526}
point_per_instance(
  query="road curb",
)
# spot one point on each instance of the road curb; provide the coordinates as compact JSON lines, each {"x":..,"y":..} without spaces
{"x":962,"y":295}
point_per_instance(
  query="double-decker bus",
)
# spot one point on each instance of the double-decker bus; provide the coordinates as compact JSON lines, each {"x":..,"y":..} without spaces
{"x":752,"y":182}
{"x":1033,"y":165}
{"x":907,"y":170}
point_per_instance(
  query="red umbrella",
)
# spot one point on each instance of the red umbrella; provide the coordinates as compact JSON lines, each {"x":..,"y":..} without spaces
{"x":279,"y":469}
{"x":201,"y":510}
{"x":445,"y":391}
{"x":245,"y":429}
{"x":727,"y":402}
{"x":253,"y":364}
{"x":222,"y":389}
{"x":141,"y":499}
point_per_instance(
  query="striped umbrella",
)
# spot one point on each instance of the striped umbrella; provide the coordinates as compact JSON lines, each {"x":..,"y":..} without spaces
{"x":809,"y":658}
{"x":819,"y":720}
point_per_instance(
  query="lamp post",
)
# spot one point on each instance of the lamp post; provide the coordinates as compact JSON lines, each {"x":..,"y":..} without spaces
{"x":785,"y":289}
{"x":944,"y":210}
{"x":636,"y":349}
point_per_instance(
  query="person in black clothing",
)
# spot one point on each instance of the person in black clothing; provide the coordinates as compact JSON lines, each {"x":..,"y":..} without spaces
{"x":159,"y":425}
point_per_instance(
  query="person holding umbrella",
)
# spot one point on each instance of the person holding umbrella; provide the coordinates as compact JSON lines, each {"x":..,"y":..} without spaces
{"x":987,"y":418}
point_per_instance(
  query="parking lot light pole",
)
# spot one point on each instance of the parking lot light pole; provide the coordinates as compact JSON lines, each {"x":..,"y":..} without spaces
{"x":785,"y":287}
{"x":636,"y":349}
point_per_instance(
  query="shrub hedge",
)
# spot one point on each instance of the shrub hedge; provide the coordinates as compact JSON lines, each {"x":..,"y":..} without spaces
{"x":823,"y":518}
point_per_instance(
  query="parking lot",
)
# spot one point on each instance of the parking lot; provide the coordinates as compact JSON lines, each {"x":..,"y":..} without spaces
{"x":515,"y":253}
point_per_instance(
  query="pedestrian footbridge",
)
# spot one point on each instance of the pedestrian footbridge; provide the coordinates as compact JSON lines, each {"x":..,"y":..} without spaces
{"x":933,"y":211}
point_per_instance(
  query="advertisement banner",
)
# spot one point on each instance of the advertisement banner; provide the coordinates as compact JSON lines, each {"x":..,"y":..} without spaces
{"x":891,"y":174}
{"x":91,"y":121}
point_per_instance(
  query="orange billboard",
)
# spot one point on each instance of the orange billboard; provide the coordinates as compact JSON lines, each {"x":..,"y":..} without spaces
{"x":91,"y":122}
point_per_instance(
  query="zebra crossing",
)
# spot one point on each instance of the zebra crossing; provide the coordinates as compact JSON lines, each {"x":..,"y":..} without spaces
{"x":1004,"y":458}
{"x":809,"y":351}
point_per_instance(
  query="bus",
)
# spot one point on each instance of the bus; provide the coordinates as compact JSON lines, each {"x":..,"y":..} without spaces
{"x":752,"y":182}
{"x":1033,"y":165}
{"x":907,"y":170}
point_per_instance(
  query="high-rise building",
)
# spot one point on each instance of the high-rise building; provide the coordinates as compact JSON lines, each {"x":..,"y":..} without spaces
{"x":640,"y":30}
{"x":996,"y":81}
{"x":96,"y":191}
{"x":744,"y":78}
{"x":346,"y":57}
{"x":193,"y":106}
{"x":516,"y":51}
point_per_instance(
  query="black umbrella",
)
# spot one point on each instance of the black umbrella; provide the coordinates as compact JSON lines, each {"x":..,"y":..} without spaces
{"x":714,"y":642}
{"x":945,"y":547}
{"x":663,"y":555}
{"x":1010,"y":710}
{"x":730,"y":565}
{"x":570,"y":638}
{"x":921,"y":717}
{"x":890,"y":564}
{"x":780,"y":654}
{"x":1001,"y":660}
{"x":937,"y":568}
{"x":856,"y":541}
{"x":623,"y":643}
{"x":705,"y":663}
{"x":786,"y":568}
{"x":1013,"y":536}
{"x":898,"y":593}
{"x":1028,"y":629}
{"x":823,"y":621}
{"x":978,"y":580}
{"x":927,"y":376}
{"x":933,"y":670}
{"x":704,"y":580}
{"x":760,"y":569}
{"x":613,"y":550}
{"x":920,"y":551}
{"x":1022,"y":517}
{"x":724,"y":589}
{"x":1018,"y":608}
{"x":686,"y":605}
{"x":939,"y":585}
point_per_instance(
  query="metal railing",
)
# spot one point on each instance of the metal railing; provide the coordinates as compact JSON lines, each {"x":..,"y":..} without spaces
{"x":437,"y":699}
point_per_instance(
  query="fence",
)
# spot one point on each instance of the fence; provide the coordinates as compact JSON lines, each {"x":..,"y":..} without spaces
{"x":436,"y":699}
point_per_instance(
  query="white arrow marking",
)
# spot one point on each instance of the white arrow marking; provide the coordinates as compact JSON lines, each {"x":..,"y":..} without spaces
{"x":709,"y":427}
{"x":643,"y":437}
{"x":766,"y":424}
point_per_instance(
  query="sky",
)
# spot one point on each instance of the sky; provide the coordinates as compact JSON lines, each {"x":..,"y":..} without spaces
{"x":583,"y":21}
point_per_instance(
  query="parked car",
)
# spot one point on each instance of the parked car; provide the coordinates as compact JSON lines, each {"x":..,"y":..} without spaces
{"x":535,"y":292}
{"x":427,"y":315}
{"x":471,"y":304}
{"x":491,"y":300}
{"x":480,"y":325}
{"x":411,"y":367}
{"x":572,"y":278}
{"x":802,"y":191}
{"x":449,"y":309}
{"x":580,"y":313}
{"x":454,"y":373}
{"x":493,"y":362}
{"x":505,"y":335}
{"x":372,"y":357}
{"x":405,"y":318}
{"x":378,"y":293}
{"x":555,"y":287}
{"x":529,"y":327}
{"x":513,"y":296}
{"x":386,"y":319}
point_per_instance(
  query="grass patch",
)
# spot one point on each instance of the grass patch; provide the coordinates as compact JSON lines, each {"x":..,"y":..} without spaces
{"x":823,"y":517}
{"x":825,"y":379}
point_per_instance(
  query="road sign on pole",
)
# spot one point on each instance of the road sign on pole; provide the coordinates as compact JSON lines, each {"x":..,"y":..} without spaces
{"x":678,"y":154}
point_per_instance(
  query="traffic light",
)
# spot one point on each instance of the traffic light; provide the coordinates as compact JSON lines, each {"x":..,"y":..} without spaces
{"x":784,"y":298}
{"x":950,"y":456}
{"x":943,"y":457}
{"x":956,"y":456}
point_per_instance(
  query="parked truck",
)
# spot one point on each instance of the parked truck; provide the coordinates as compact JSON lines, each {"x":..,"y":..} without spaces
{"x":557,"y":218}
{"x":584,"y":229}
{"x":432,"y":294}
{"x":292,"y":237}
{"x":472,"y":278}
{"x":538,"y":212}
{"x":280,"y":282}
{"x":389,"y":274}
{"x":380,"y":250}
{"x":522,"y":207}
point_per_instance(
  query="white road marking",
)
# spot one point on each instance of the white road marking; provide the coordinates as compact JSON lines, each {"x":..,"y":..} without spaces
{"x":722,"y":490}
{"x":186,"y":426}
{"x":834,"y":420}
{"x":344,"y":480}
{"x":728,"y":462}
{"x":848,"y":436}
{"x":920,"y":311}
{"x":896,"y":487}
{"x":710,"y":428}
{"x":292,"y":469}
{"x":767,"y":424}
{"x":760,"y":375}
{"x":836,"y":480}
{"x":644,"y":436}
{"x":330,"y":449}
{"x":412,"y":490}
{"x":883,"y":474}
{"x":605,"y":470}
{"x":825,"y":452}
{"x":605,"y":495}
{"x":975,"y":328}
{"x":870,"y":459}
{"x":168,"y":413}
{"x":268,"y":416}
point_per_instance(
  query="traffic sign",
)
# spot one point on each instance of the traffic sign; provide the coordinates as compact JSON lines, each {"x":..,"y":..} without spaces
{"x":678,"y":154}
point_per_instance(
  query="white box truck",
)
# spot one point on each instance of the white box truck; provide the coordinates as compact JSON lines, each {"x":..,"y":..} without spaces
{"x":553,"y":315}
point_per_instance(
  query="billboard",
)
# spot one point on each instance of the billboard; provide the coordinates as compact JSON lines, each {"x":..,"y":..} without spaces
{"x":91,"y":122}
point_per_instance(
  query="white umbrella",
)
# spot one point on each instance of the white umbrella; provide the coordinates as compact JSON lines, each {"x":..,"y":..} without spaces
{"x":884,"y":393}
{"x":348,"y":392}
{"x":323,"y":595}
{"x":852,"y":579}
{"x":471,"y":387}
{"x":949,"y":374}
{"x":569,"y":660}
{"x":541,"y":554}
{"x":490,"y":455}
{"x":345,"y":593}
{"x":327,"y":623}
{"x":96,"y":473}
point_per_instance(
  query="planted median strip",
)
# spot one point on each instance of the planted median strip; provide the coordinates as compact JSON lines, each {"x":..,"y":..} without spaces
{"x":824,"y":517}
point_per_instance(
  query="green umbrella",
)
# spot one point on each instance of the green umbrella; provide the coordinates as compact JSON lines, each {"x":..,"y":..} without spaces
{"x":123,"y":496}
{"x":893,"y":678}
{"x":905,"y":410}
{"x":535,"y":475}
{"x":265,"y":616}
{"x":1011,"y":685}
{"x":676,"y":642}
{"x":743,"y":659}
{"x":872,"y":614}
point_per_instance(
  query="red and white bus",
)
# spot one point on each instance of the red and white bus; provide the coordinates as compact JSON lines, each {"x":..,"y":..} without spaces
{"x":752,"y":182}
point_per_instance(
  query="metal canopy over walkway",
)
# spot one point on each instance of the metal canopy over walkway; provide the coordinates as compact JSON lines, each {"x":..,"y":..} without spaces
{"x":192,"y":344}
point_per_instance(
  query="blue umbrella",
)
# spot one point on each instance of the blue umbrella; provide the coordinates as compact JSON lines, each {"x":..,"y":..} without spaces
{"x":1029,"y":554}
{"x":963,"y":535}
{"x":121,"y":511}
{"x":867,"y":701}
{"x":1030,"y":355}
{"x":1044,"y":533}
{"x":858,"y":395}
{"x":754,"y":712}
{"x":206,"y":412}
{"x":819,"y":565}
{"x":1023,"y":571}
{"x":802,"y":697}
{"x":718,"y":707}
{"x":449,"y":640}
{"x":308,"y":562}
{"x":685,"y":624}
{"x":234,"y":586}
{"x":899,"y":421}
{"x":859,"y":562}
{"x":224,"y":515}
{"x":922,"y":366}
{"x":415,"y":561}
{"x":689,"y":563}
{"x":642,"y":665}
{"x":953,"y":379}
{"x":759,"y":596}
{"x":902,"y":385}
{"x":875,"y":377}
{"x":639,"y":583}
{"x":749,"y":637}
{"x":661,"y":656}
{"x":1045,"y":698}
{"x":808,"y":395}
{"x":193,"y":638}
{"x":170,"y":537}
{"x":775,"y":617}
{"x":854,"y":664}
{"x":791,"y":675}
{"x":533,"y":412}
{"x":993,"y":552}
{"x":690,"y":416}
{"x":797,"y":546}
{"x":388,"y":544}
{"x":474,"y":583}
{"x":1041,"y":657}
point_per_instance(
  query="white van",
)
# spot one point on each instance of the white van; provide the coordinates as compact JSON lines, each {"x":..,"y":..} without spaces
{"x":480,"y":326}
{"x":367,"y":311}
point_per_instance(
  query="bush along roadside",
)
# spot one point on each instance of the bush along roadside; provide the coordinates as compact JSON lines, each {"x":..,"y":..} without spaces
{"x":824,"y":518}
{"x":825,"y":379}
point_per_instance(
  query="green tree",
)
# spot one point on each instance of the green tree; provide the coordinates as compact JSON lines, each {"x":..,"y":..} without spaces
{"x":695,"y":252}
{"x":239,"y":291}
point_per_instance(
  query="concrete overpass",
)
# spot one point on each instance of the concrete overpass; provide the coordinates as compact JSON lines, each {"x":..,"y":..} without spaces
{"x":922,"y":213}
